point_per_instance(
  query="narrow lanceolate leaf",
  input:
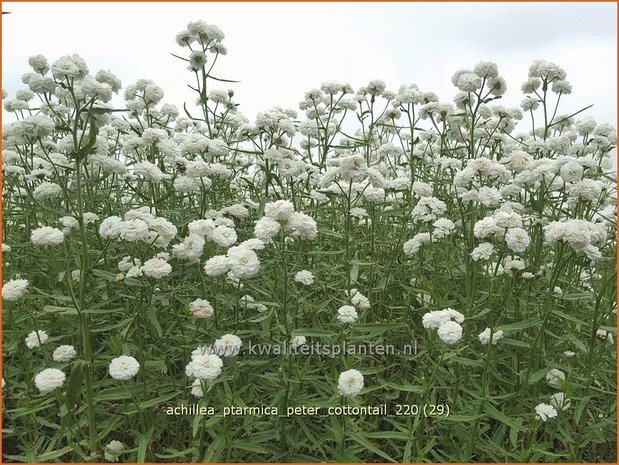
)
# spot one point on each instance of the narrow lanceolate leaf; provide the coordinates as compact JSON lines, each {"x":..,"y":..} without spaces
{"x":74,"y":385}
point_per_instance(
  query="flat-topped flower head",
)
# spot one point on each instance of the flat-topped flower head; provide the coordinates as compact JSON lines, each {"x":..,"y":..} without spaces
{"x":545,"y":412}
{"x":124,"y":367}
{"x":350,"y":383}
{"x":347,"y":314}
{"x":14,"y":289}
{"x":201,"y":308}
{"x":206,"y":367}
{"x":113,"y":451}
{"x":36,"y":338}
{"x":49,"y":380}
{"x":46,"y":235}
{"x":64,"y":353}
{"x":228,"y":345}
{"x":304,"y":277}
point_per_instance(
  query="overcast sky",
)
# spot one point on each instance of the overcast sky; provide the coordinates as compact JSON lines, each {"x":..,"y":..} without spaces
{"x":280,"y":50}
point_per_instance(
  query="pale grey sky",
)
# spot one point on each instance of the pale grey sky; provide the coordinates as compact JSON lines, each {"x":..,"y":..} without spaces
{"x":280,"y":50}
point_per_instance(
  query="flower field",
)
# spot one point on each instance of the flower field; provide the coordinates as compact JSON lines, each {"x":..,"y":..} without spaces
{"x":375,"y":276}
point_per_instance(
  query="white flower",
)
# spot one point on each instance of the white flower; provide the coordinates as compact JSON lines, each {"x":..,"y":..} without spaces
{"x":113,"y":450}
{"x":413,"y":245}
{"x":46,"y":191}
{"x":434,"y":319}
{"x":191,"y":248}
{"x":149,"y":172}
{"x":280,"y":210}
{"x":70,"y":223}
{"x":224,"y":236}
{"x":428,"y":209}
{"x":569,"y":354}
{"x":14,"y":289}
{"x":196,"y":388}
{"x":512,"y":266}
{"x":450,"y":332}
{"x":347,"y":314}
{"x":46,"y":235}
{"x":133,"y":230}
{"x":64,"y":353}
{"x":605,"y":336}
{"x":571,"y":171}
{"x":217,"y":265}
{"x":297,"y":341}
{"x":266,"y":228}
{"x":201,"y":308}
{"x":350,"y":383}
{"x":442,"y":227}
{"x":124,"y":367}
{"x":156,"y":268}
{"x":555,"y":377}
{"x":517,"y":239}
{"x":228,"y":345}
{"x":559,"y":401}
{"x":545,"y":411}
{"x":253,"y":244}
{"x":302,"y":226}
{"x":49,"y":380}
{"x":6,"y":248}
{"x":486,"y":336}
{"x":482,"y":252}
{"x":486,"y":227}
{"x":110,"y":227}
{"x":304,"y":277}
{"x":134,"y":272}
{"x":359,"y":300}
{"x":353,"y":167}
{"x":201,"y":227}
{"x":243,"y":262}
{"x":36,"y":338}
{"x":90,"y":218}
{"x":204,"y":367}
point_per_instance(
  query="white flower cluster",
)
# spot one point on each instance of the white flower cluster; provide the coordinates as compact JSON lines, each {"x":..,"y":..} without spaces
{"x":139,"y":225}
{"x":201,"y":309}
{"x":281,"y":216}
{"x":488,"y":336}
{"x":49,"y":380}
{"x":36,"y":338}
{"x":156,"y":267}
{"x":124,"y":367}
{"x":14,"y":289}
{"x":447,"y":324}
{"x":113,"y":451}
{"x":64,"y":353}
{"x":350,"y":383}
{"x":583,"y":236}
{"x":304,"y":277}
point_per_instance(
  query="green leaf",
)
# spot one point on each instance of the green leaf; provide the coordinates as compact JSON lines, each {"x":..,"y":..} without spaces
{"x":104,"y":274}
{"x":531,"y":322}
{"x":46,"y":457}
{"x":152,"y":317}
{"x":500,"y":416}
{"x":376,"y":327}
{"x":214,"y":451}
{"x":539,"y":374}
{"x":74,"y":386}
{"x":369,"y":446}
{"x":249,"y":447}
{"x":312,"y":332}
{"x":60,"y":310}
